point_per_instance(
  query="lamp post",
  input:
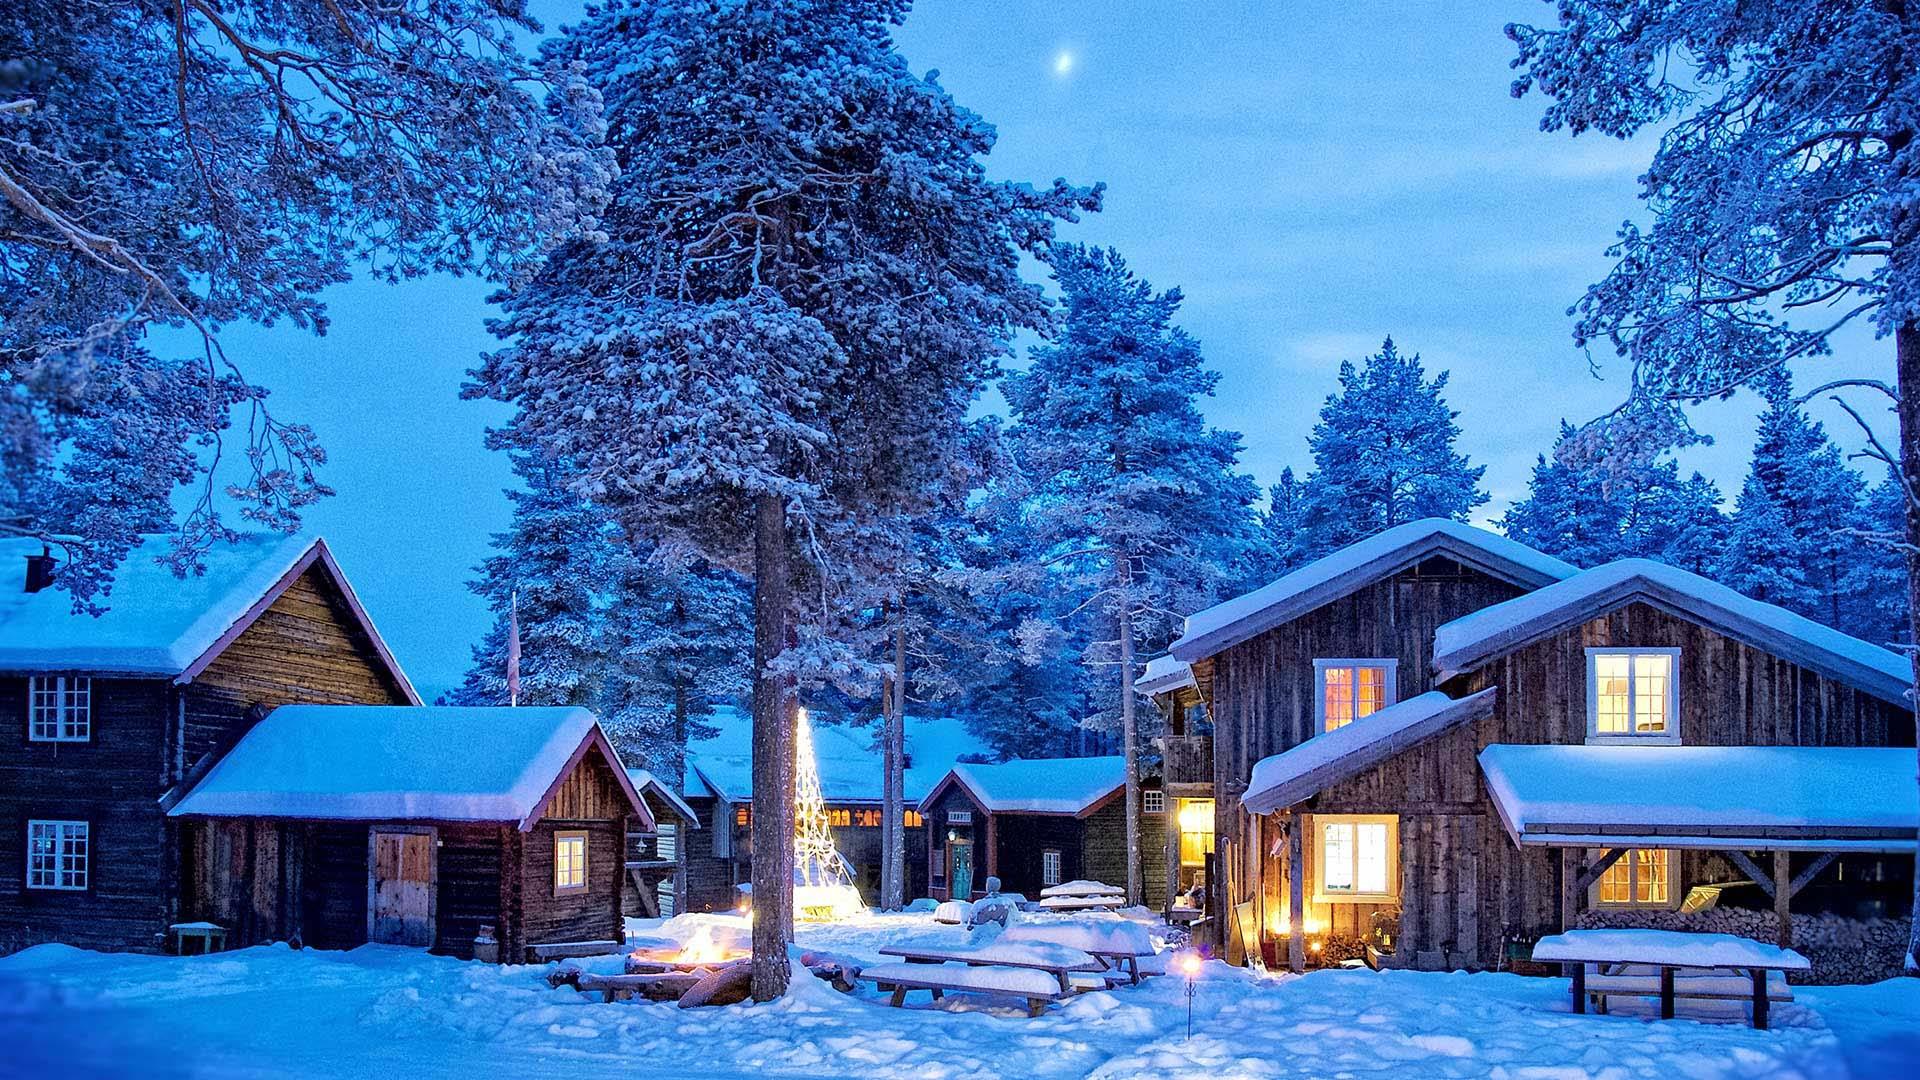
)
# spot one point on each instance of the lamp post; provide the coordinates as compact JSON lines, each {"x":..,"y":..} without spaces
{"x":1190,"y":962}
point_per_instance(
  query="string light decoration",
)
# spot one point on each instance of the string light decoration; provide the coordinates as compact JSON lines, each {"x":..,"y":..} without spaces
{"x":822,"y":880}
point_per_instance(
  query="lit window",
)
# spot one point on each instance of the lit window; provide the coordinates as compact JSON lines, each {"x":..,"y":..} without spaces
{"x":1346,"y":690}
{"x":1049,"y":867}
{"x":59,"y":708}
{"x":839,"y":819}
{"x":1196,"y":831}
{"x":1643,"y":877}
{"x":868,"y":819}
{"x":569,"y":862}
{"x":1633,"y":695}
{"x":1358,"y":857}
{"x":57,"y":855}
{"x":912,"y":819}
{"x":959,"y":817}
{"x":1153,"y":801}
{"x":743,"y":815}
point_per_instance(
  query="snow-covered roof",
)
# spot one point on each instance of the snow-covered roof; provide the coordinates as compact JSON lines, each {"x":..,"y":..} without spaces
{"x":1466,"y":642}
{"x":721,"y":765}
{"x":644,"y":781}
{"x":1797,"y":797}
{"x":1287,"y":778}
{"x":157,"y":623}
{"x":1039,"y":785}
{"x":1385,"y":553}
{"x":401,"y":762}
{"x":1164,"y":673}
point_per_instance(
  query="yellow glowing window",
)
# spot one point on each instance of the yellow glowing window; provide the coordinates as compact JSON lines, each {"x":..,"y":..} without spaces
{"x":743,"y":815}
{"x":1633,"y":694}
{"x":911,"y":819}
{"x":1358,"y":857}
{"x":1195,"y":819}
{"x":1642,"y":877}
{"x":569,"y":862}
{"x":1346,"y":690}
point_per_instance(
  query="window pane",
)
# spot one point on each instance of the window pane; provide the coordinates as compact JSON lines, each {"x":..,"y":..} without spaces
{"x":1611,"y":690}
{"x":1652,"y":887}
{"x":1370,"y":691}
{"x":1373,"y":858}
{"x":1616,"y":885}
{"x":1336,"y":858}
{"x":1338,"y":696}
{"x":1651,"y":675}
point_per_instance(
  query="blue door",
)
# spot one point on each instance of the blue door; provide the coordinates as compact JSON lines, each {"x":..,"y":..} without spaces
{"x":960,"y":872}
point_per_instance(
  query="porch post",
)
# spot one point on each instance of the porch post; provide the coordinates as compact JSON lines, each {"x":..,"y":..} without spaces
{"x":1782,"y":897}
{"x":1296,"y":894}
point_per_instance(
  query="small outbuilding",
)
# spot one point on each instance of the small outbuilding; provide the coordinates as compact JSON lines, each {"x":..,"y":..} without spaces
{"x":464,"y":830}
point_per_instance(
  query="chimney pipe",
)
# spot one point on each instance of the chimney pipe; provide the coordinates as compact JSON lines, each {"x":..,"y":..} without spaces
{"x":40,"y":570}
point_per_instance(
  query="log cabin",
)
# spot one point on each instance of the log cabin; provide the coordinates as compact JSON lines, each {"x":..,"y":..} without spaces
{"x":118,"y":710}
{"x":1037,"y":822}
{"x":718,"y":787}
{"x":1436,"y":745}
{"x":484,"y":831}
{"x":657,"y":858}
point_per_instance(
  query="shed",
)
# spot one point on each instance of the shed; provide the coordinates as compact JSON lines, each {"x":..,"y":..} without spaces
{"x":336,"y":826}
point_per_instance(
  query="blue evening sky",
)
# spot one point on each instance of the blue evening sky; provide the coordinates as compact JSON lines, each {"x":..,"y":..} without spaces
{"x":1313,"y":175}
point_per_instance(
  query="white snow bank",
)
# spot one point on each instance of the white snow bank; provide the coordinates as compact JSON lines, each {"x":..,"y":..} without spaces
{"x":1106,"y":936}
{"x":1329,"y":578}
{"x":1570,"y":789}
{"x":393,"y":762}
{"x":1042,"y":785}
{"x":998,"y":980}
{"x":1670,"y":947}
{"x":156,"y":623}
{"x":1286,"y":778}
{"x":1466,"y":642}
{"x":955,"y":912}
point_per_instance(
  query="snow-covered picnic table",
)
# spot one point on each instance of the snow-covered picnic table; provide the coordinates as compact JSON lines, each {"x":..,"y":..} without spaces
{"x":1719,"y":962}
{"x":1060,"y":961}
{"x":1116,"y":943}
{"x":1082,"y":895}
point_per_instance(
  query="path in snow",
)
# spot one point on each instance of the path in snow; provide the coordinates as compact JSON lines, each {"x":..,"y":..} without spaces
{"x":274,"y":1012}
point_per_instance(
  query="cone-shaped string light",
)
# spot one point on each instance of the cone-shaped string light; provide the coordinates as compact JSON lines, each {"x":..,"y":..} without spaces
{"x":822,"y":881}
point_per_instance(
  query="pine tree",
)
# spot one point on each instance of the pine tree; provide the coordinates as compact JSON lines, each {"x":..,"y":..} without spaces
{"x":1569,"y":512}
{"x":1129,"y":500}
{"x":675,"y":634}
{"x":1678,"y":520}
{"x":804,"y":279}
{"x":1383,"y":455}
{"x":1276,"y":549}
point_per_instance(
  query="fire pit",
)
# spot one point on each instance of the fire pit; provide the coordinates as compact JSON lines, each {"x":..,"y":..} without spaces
{"x":701,"y":953}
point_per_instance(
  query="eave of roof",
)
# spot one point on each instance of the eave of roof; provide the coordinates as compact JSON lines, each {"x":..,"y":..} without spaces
{"x":1345,"y":752}
{"x":1471,"y":640}
{"x":1329,"y":578}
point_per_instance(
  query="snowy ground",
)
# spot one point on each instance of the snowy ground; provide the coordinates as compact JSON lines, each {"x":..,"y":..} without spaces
{"x":379,"y":1011}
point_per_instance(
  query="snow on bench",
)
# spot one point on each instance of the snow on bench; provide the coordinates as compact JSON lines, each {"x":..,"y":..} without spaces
{"x":1118,"y":944}
{"x":1714,"y":960}
{"x":1037,"y":987}
{"x":1082,"y":887}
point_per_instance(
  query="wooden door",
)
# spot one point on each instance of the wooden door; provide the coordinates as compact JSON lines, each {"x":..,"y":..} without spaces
{"x":400,"y":889}
{"x":960,"y":870}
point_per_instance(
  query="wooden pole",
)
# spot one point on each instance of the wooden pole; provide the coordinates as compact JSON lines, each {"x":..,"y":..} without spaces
{"x":1296,"y":894}
{"x":1782,"y":898}
{"x":773,"y":750}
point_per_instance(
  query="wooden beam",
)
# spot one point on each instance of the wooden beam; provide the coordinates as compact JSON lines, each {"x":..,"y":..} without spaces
{"x":1801,"y":880}
{"x":1569,"y":887}
{"x":1782,"y":898}
{"x":1296,"y":895}
{"x":1592,"y":873}
{"x":1746,"y":866}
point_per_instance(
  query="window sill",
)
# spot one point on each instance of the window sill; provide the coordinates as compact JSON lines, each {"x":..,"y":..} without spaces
{"x":1356,"y":898}
{"x":1633,"y":740}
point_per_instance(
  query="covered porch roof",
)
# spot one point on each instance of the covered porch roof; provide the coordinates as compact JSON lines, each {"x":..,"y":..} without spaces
{"x":1756,"y":798}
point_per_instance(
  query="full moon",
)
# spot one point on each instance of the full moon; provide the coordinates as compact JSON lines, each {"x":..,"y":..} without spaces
{"x":1063,"y":63}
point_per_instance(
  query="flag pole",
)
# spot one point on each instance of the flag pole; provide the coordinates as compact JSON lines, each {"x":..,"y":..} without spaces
{"x":513,"y":649}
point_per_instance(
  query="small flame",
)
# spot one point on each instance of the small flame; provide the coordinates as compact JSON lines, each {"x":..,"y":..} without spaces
{"x":701,"y":948}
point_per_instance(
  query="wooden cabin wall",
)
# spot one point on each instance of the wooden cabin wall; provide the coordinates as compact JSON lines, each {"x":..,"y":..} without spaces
{"x":593,"y":915}
{"x":710,"y":877}
{"x":1731,"y":694}
{"x":1019,"y":840}
{"x":467,"y":886}
{"x":112,"y":782}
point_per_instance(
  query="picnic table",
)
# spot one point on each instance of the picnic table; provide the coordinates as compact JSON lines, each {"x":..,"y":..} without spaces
{"x":211,"y":936}
{"x":1057,"y":960}
{"x":1718,"y":966}
{"x":1120,"y":946}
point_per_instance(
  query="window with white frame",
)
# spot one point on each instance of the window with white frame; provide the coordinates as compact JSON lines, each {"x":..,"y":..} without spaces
{"x":1346,"y":690}
{"x":569,"y":862}
{"x":1633,"y":695}
{"x":1358,"y":858}
{"x":1153,"y":801}
{"x":1642,"y":878}
{"x":58,"y":855}
{"x":959,"y":817}
{"x":59,"y":708}
{"x":1049,"y":867}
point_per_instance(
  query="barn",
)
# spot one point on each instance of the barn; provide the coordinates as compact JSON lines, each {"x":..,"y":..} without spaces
{"x":471,"y":831}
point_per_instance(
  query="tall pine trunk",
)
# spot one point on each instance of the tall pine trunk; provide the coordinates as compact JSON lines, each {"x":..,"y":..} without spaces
{"x":1129,"y":749}
{"x":1907,"y":351}
{"x":773,"y":765}
{"x":893,"y":853}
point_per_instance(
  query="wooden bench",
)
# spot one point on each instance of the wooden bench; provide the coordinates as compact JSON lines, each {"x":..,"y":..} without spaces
{"x":567,"y":950}
{"x":1061,"y":963}
{"x":211,"y":936}
{"x":1716,"y":966}
{"x":1035,"y":987}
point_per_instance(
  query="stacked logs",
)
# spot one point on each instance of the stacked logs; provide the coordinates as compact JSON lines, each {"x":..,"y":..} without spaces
{"x":1841,"y":950}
